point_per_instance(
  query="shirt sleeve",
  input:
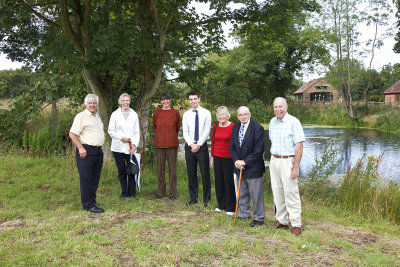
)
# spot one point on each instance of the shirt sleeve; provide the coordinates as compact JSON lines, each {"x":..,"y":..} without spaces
{"x":136,"y":131}
{"x":185,"y":128}
{"x":207,"y":125}
{"x":155,"y":113}
{"x":112,"y":128}
{"x":298,"y":133}
{"x":77,"y":125}
{"x":178,"y":122}
{"x":213,"y":140}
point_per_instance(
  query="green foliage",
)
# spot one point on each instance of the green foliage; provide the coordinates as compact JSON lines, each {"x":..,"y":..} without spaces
{"x":39,"y":137}
{"x":389,"y":121}
{"x":150,"y":153}
{"x":318,"y":184}
{"x":389,"y":75}
{"x":397,"y":38}
{"x":319,"y":113}
{"x":259,"y":112}
{"x":273,"y":48}
{"x":364,"y":191}
{"x":14,"y":82}
{"x":12,"y":122}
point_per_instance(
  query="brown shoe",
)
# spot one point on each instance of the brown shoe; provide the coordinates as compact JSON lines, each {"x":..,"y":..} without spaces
{"x":278,"y":225}
{"x":296,"y":231}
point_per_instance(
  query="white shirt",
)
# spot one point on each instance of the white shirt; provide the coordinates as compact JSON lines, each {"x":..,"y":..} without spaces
{"x":188,"y":124}
{"x":120,"y":127}
{"x":89,"y":128}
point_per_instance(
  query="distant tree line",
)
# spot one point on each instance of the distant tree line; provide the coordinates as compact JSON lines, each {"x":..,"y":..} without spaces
{"x":14,"y":82}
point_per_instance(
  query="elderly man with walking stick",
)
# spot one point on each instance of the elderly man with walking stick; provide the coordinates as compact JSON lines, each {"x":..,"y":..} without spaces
{"x":287,"y":137}
{"x":247,"y":149}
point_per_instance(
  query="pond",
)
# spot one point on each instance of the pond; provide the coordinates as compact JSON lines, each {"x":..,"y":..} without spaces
{"x":354,"y":143}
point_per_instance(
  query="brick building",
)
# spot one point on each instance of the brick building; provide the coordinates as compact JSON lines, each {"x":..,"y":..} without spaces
{"x":316,"y":90}
{"x":392,"y":94}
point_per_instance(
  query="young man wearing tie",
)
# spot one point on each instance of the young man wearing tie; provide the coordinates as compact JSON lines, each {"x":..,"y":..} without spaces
{"x":196,"y":126}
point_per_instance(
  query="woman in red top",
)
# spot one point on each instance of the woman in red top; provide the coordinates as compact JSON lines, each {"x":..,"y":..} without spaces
{"x":166,"y":124}
{"x":222,"y":161}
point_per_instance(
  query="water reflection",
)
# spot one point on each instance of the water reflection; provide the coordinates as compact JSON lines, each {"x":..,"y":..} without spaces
{"x":354,"y":144}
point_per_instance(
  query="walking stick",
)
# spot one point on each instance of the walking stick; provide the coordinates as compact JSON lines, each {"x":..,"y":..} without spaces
{"x":130,"y":144}
{"x":237,"y":199}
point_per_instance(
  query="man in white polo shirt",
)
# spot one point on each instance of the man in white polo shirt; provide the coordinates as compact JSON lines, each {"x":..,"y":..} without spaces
{"x":87,"y":134}
{"x":287,"y":137}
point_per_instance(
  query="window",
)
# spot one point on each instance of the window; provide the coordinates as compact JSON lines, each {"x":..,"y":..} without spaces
{"x":322,"y":87}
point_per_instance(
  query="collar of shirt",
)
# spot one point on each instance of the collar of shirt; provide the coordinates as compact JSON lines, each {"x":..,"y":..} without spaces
{"x":88,"y":113}
{"x":198,"y":108}
{"x":284,"y":119}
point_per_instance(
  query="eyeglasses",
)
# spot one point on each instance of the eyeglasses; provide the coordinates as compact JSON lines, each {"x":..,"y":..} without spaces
{"x":243,"y":115}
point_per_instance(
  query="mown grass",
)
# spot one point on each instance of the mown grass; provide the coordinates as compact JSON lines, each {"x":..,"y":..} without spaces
{"x":42,"y":223}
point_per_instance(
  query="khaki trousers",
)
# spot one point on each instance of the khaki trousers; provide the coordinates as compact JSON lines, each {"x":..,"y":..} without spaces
{"x":169,"y":154}
{"x":285,"y":191}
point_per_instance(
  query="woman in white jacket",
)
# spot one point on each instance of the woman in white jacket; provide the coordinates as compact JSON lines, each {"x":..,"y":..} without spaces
{"x":124,"y":128}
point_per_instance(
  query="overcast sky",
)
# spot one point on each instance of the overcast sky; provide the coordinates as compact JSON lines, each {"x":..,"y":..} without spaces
{"x":383,"y":56}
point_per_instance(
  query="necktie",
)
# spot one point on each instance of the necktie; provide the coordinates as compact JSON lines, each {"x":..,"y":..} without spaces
{"x":196,"y":126}
{"x":241,"y":135}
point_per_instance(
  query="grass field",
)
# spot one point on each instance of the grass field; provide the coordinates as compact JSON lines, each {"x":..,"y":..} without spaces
{"x":42,"y":223}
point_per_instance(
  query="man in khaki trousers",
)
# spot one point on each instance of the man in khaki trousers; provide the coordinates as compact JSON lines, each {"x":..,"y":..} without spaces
{"x":287,"y":137}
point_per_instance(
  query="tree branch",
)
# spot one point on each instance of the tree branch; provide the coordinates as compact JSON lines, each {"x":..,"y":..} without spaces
{"x":87,"y":19}
{"x":66,"y":24}
{"x":42,"y":17}
{"x":155,"y":16}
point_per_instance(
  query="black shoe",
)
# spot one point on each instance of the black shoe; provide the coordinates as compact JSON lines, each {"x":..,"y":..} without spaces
{"x":132,"y":196}
{"x":205,"y":204}
{"x":255,"y":223}
{"x":191,"y":202}
{"x":95,"y":209}
{"x":158,"y":197}
{"x":123,"y":198}
{"x":172,"y":197}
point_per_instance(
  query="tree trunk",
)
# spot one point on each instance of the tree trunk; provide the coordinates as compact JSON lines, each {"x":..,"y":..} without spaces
{"x":104,"y":106}
{"x":144,"y":102}
{"x":54,"y":116}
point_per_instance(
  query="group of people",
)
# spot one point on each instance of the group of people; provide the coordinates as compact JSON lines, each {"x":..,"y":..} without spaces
{"x":236,"y":149}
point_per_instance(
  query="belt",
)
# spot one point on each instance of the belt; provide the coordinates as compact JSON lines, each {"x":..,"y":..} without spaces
{"x":98,"y":147}
{"x":283,"y":157}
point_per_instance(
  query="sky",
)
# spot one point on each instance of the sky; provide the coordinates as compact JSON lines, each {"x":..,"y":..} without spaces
{"x":383,"y":56}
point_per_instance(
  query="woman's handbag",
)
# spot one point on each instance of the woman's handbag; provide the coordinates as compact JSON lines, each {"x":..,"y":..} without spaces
{"x":133,"y":166}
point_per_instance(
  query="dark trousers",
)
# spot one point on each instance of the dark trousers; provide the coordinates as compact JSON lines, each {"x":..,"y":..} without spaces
{"x":224,"y":184}
{"x":169,"y":154}
{"x":128,"y":185}
{"x":89,"y":170}
{"x":201,"y":157}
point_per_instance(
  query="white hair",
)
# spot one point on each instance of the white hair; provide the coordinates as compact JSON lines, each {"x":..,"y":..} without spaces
{"x":223,"y":110}
{"x":246,"y":109}
{"x":280,"y":98}
{"x":91,"y":97}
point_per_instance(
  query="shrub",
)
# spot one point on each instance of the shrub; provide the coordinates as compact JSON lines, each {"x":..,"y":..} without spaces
{"x":41,"y":139}
{"x":318,"y":185}
{"x":363,"y":191}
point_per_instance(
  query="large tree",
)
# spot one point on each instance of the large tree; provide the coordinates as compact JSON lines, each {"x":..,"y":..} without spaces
{"x":116,"y":45}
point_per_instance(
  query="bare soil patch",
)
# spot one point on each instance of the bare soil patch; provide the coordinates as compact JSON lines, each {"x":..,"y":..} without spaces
{"x":12,"y":225}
